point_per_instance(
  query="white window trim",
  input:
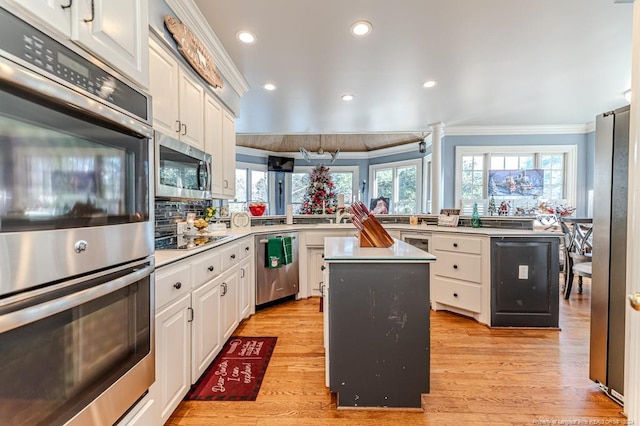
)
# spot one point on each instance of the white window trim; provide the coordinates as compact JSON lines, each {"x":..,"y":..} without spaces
{"x":571,"y":160}
{"x":425,"y":205}
{"x":260,"y":168}
{"x":307,"y":169}
{"x":415,"y":162}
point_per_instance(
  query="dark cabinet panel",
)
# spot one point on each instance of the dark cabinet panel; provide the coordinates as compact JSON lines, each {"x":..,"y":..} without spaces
{"x":379,"y":333}
{"x":524,"y":282}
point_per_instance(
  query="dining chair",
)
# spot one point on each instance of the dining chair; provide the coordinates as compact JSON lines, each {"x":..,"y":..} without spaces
{"x":577,"y":251}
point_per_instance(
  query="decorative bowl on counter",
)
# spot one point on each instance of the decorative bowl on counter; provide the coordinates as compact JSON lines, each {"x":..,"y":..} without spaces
{"x":257,"y":209}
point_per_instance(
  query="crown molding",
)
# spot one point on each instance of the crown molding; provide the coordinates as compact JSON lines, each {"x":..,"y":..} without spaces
{"x":187,"y":12}
{"x":517,"y":130}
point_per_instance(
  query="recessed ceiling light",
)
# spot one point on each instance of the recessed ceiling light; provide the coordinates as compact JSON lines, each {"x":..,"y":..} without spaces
{"x":360,"y":28}
{"x":429,"y":83}
{"x":246,"y":37}
{"x":347,"y":97}
{"x":269,"y":86}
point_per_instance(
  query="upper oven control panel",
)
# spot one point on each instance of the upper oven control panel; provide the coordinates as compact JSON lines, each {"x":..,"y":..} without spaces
{"x":23,"y":41}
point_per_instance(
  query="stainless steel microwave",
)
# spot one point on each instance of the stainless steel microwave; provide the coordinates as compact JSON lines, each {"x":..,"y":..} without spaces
{"x":182,"y":171}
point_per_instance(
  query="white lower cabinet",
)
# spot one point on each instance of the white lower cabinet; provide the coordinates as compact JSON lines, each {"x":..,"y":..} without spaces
{"x":144,"y":413}
{"x":173,"y":355}
{"x":205,"y":327}
{"x":244,"y":287}
{"x":229,"y":302}
{"x":314,"y":271}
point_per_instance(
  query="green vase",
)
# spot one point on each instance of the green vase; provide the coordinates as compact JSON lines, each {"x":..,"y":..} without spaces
{"x":475,"y":217}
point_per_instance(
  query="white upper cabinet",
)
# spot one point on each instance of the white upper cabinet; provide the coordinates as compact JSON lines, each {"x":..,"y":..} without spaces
{"x":163,"y":85}
{"x":213,"y":141}
{"x":191,"y":95}
{"x":220,"y":137}
{"x":229,"y":155}
{"x":178,"y":98}
{"x":115,"y":30}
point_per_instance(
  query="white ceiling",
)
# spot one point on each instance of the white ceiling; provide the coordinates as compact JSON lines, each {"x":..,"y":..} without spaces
{"x":497,"y":62}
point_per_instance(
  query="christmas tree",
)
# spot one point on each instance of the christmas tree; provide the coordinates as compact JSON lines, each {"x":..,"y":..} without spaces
{"x":320,"y":197}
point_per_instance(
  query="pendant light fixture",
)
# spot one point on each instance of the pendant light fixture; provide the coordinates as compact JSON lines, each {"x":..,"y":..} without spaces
{"x":319,"y":153}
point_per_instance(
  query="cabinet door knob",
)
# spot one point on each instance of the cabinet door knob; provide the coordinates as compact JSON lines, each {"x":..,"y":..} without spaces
{"x":322,"y":268}
{"x":211,"y":268}
{"x":247,"y":248}
{"x":455,"y":244}
{"x":178,"y":285}
{"x":455,"y":294}
{"x":233,"y":256}
{"x":455,"y":266}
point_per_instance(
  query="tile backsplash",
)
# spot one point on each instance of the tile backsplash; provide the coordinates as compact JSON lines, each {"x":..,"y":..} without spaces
{"x":168,"y":213}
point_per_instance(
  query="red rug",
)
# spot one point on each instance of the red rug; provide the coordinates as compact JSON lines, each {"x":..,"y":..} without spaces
{"x":236,"y":373}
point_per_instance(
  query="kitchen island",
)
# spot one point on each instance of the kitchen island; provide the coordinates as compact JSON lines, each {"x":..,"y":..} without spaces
{"x":377,"y":323}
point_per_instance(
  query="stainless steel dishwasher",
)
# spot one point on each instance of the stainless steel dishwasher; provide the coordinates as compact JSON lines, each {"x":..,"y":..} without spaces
{"x":274,"y":284}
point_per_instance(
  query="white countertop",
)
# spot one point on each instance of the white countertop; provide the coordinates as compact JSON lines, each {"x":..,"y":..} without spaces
{"x":347,"y":249}
{"x":164,"y":257}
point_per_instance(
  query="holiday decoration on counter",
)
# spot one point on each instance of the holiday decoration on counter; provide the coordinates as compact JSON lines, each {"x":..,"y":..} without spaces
{"x":320,"y":197}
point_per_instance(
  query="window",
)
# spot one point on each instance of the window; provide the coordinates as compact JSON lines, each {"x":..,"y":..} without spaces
{"x":399,"y":183}
{"x":251,"y":185}
{"x":345,"y":179}
{"x":473,"y":165}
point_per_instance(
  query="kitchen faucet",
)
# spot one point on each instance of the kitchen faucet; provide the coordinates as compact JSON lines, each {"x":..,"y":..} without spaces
{"x":342,"y":213}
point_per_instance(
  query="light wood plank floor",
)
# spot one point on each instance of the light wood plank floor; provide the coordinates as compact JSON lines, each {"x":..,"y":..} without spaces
{"x":478,"y":375}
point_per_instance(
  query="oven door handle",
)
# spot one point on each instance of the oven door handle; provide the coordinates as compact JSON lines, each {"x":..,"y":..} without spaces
{"x":34,"y":313}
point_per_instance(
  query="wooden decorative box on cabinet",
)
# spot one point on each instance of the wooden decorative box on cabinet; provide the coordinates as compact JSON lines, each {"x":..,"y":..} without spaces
{"x":178,"y":98}
{"x":460,"y":276}
{"x":120,"y":39}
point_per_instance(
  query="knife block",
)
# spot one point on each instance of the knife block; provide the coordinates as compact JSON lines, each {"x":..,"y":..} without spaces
{"x":374,"y":235}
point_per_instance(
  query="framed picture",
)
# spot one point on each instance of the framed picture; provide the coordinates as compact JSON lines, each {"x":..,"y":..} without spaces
{"x":379,"y":205}
{"x":516,"y":182}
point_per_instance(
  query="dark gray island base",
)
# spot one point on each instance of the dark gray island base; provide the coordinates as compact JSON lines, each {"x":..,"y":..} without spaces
{"x":378,"y":329}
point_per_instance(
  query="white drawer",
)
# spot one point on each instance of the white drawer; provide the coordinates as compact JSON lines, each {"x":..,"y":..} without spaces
{"x":246,"y":248}
{"x":206,"y":266}
{"x":459,"y":266}
{"x":230,"y":255}
{"x":456,"y":243}
{"x":455,"y":293}
{"x":172,"y":282}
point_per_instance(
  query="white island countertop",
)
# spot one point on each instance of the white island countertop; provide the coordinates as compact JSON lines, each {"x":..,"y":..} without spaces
{"x":347,"y":249}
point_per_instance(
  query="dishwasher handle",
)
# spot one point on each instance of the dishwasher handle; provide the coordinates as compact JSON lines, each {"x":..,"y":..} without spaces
{"x":265,"y":241}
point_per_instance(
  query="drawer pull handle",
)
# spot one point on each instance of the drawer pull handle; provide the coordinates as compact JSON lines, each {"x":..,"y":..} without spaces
{"x":455,"y":244}
{"x":178,"y":285}
{"x":455,"y":294}
{"x":455,"y":266}
{"x":211,"y":268}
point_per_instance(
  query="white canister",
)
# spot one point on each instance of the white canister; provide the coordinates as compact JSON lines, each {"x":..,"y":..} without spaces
{"x":289,"y":214}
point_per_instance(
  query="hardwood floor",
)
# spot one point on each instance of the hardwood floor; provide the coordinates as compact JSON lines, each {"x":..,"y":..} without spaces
{"x":478,"y":375}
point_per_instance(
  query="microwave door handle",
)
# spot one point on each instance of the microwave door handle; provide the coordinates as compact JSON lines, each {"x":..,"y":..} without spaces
{"x":209,"y":176}
{"x":31,"y":314}
{"x":198,"y":171}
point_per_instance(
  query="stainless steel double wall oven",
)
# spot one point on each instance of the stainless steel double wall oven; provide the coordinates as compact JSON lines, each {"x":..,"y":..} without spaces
{"x":76,"y":234}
